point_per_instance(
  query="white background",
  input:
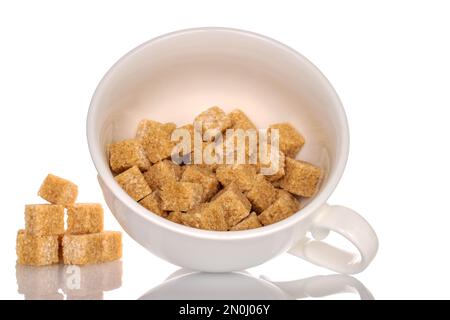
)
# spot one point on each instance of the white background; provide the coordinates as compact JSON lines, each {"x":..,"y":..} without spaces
{"x":388,"y":60}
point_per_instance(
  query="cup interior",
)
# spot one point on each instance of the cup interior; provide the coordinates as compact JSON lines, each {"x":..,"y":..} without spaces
{"x":174,"y":77}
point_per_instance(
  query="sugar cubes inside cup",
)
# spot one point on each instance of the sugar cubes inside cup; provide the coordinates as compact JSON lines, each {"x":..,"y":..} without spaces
{"x":203,"y":182}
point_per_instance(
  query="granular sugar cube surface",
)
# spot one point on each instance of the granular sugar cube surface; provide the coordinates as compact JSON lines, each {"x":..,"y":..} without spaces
{"x":44,"y":219}
{"x":152,"y":202}
{"x":291,"y":141}
{"x":234,"y":205}
{"x":276,"y":163}
{"x":207,"y":216}
{"x":243,"y":175}
{"x":181,"y":196}
{"x":36,"y":250}
{"x":301,"y":178}
{"x":133,"y":182}
{"x":84,"y":218}
{"x":240,"y":120}
{"x":251,"y":222}
{"x":213,"y":121}
{"x":161,"y":173}
{"x":262,"y":194}
{"x":176,"y":216}
{"x":204,"y":177}
{"x":284,"y":206}
{"x":92,"y":248}
{"x":127,"y":153}
{"x":155,"y":138}
{"x":57,"y":190}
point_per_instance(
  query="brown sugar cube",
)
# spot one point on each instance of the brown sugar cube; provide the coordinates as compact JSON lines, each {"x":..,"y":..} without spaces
{"x":242,"y":174}
{"x":127,"y":153}
{"x":251,"y":222}
{"x":161,"y":173}
{"x":234,"y":205}
{"x":44,"y":219}
{"x":301,"y":178}
{"x":215,"y":120}
{"x":240,"y":120}
{"x":284,"y":206}
{"x":36,"y":250}
{"x":155,"y":138}
{"x":180,"y":196}
{"x":133,"y":182}
{"x":57,"y":190}
{"x":291,"y":141}
{"x":204,"y":177}
{"x":271,"y":165}
{"x":152,"y":202}
{"x":262,"y":194}
{"x":207,"y":217}
{"x":92,"y":248}
{"x":175,"y":216}
{"x":84,"y":218}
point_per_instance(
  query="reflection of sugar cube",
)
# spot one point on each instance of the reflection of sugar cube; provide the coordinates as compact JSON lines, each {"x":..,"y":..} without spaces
{"x":85,"y":280}
{"x":98,"y":295}
{"x":53,"y":296}
{"x":38,"y":281}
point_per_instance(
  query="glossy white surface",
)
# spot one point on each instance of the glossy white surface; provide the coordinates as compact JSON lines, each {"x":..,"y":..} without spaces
{"x":172,"y":78}
{"x":392,"y":78}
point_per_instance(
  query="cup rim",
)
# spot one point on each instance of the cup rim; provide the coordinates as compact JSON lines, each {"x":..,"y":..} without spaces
{"x":104,"y":172}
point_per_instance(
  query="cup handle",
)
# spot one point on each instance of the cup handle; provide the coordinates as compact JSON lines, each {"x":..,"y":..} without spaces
{"x":350,"y":225}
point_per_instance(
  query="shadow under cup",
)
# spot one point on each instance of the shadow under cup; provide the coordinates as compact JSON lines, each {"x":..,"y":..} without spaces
{"x":175,"y":77}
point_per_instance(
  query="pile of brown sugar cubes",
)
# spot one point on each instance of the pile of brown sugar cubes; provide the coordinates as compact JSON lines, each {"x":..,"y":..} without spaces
{"x":219,"y":197}
{"x":45,"y":240}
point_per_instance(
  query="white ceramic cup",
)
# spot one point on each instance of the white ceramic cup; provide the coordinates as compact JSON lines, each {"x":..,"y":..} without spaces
{"x":174,"y":77}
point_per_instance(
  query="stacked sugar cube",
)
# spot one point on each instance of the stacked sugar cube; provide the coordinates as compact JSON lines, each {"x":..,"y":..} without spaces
{"x":44,"y":241}
{"x":220,"y":197}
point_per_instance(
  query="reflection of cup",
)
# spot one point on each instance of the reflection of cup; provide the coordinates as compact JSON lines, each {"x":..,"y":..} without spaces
{"x":77,"y":283}
{"x":242,"y":286}
{"x":173,"y":78}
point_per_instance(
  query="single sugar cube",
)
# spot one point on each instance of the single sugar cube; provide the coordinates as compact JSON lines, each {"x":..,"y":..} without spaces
{"x":262,"y":194}
{"x":273,"y":169}
{"x":251,"y":222}
{"x":301,"y":178}
{"x":37,"y":250}
{"x":175,"y":216}
{"x":240,"y":120}
{"x":84,"y":218}
{"x":133,"y":182}
{"x":180,"y":196}
{"x":207,"y":217}
{"x":161,"y":173}
{"x":213,"y":121}
{"x":152,"y":202}
{"x":92,"y":248}
{"x":234,"y":205}
{"x":204,"y":177}
{"x":284,"y":206}
{"x":291,"y":141}
{"x":243,"y":175}
{"x":127,"y":153}
{"x":155,"y":138}
{"x":44,"y":219}
{"x":57,"y":190}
